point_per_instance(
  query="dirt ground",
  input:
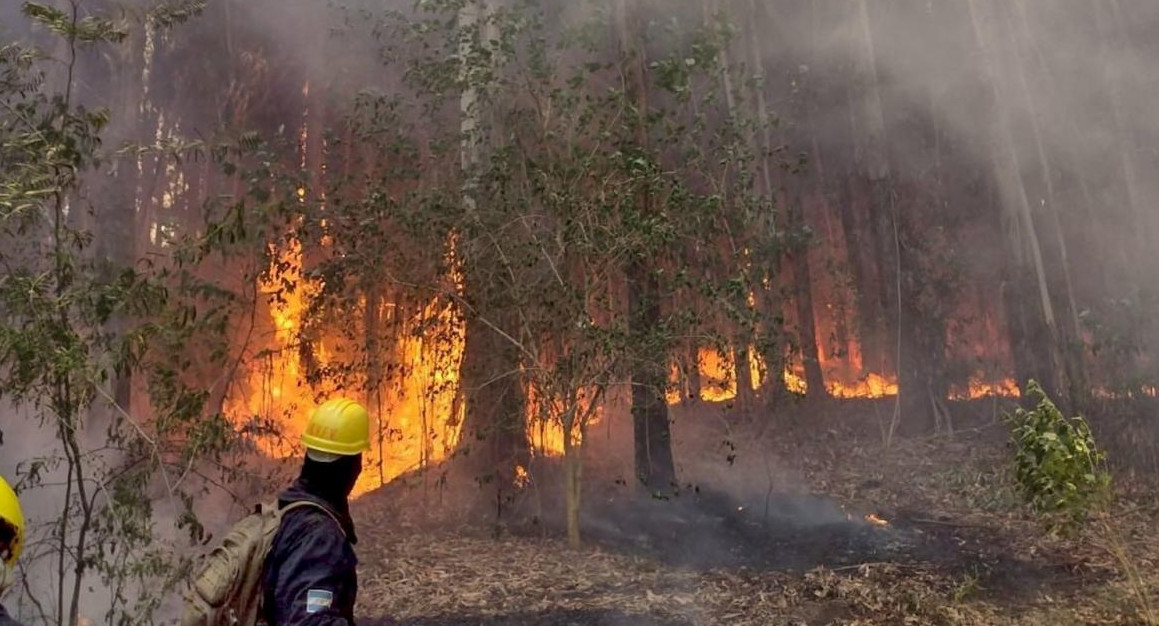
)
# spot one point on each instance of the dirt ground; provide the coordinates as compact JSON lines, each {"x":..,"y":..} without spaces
{"x":793,"y":548}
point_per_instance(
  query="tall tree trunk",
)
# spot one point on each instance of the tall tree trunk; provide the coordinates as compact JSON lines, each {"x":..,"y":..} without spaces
{"x":857,"y":262}
{"x":1071,"y":328}
{"x":373,"y":391}
{"x":883,"y":213}
{"x":117,"y":231}
{"x":1111,"y":32}
{"x":802,"y":269}
{"x":1028,"y":265}
{"x":653,"y":441}
{"x":770,"y":343}
{"x":495,"y":425}
{"x":921,"y":207}
{"x":742,"y":336}
{"x":692,"y":371}
{"x":803,"y":298}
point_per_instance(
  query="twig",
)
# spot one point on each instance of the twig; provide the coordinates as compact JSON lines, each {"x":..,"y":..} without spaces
{"x":846,"y":568}
{"x":935,"y":522}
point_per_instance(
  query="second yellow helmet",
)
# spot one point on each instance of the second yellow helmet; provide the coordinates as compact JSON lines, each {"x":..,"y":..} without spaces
{"x":10,"y":513}
{"x":339,"y":426}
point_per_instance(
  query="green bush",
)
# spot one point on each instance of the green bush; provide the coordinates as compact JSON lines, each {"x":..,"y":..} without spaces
{"x":1060,"y":471}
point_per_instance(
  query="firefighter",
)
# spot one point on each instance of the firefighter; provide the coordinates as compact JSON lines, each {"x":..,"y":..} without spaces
{"x":11,"y":541}
{"x":309,"y":574}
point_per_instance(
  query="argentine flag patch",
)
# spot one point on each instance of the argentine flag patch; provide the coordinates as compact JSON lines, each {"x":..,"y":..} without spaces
{"x":318,"y":599}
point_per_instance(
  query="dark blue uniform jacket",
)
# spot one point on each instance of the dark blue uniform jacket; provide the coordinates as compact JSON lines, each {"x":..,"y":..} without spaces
{"x":5,"y":619}
{"x":309,"y":577}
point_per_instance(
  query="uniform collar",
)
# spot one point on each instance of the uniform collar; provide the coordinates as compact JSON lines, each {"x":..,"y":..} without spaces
{"x":301,"y":491}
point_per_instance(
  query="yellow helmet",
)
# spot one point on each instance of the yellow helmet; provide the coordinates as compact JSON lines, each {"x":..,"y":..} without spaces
{"x":339,"y":426}
{"x":10,"y":513}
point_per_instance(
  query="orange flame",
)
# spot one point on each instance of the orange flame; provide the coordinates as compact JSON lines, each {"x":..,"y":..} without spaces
{"x":978,"y":388}
{"x":417,"y":416}
{"x":719,"y":383}
{"x":545,"y":428}
{"x":872,"y":385}
{"x":795,"y":380}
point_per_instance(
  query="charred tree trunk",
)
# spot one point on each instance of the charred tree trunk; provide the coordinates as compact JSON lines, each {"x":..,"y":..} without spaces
{"x":653,"y":442}
{"x":858,"y":261}
{"x":495,"y":427}
{"x":744,"y":375}
{"x":803,"y":298}
{"x":692,"y":372}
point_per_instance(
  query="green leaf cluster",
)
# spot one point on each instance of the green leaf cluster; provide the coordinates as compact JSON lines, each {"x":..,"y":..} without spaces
{"x":1058,"y":467}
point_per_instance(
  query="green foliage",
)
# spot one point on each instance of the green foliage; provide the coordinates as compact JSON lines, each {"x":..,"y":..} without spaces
{"x":83,"y":330}
{"x":88,"y":29}
{"x":170,"y":14}
{"x":1059,"y":469}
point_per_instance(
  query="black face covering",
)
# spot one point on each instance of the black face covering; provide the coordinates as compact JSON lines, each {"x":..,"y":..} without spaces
{"x":332,"y":481}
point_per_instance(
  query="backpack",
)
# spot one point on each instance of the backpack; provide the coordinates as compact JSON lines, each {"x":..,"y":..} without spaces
{"x":227,"y":588}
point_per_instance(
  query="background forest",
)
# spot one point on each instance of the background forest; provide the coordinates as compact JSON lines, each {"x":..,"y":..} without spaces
{"x":711,"y":280}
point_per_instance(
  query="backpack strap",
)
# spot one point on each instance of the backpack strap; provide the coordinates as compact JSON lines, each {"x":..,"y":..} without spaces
{"x":306,"y":503}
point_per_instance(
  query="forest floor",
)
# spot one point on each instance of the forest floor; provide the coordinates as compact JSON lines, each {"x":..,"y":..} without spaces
{"x":956,"y":547}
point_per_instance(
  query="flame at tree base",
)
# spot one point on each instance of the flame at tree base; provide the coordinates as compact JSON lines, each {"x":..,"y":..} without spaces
{"x":418,"y":410}
{"x":719,"y":382}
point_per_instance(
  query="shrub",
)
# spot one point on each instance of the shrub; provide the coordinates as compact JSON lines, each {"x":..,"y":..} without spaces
{"x":1059,"y":469}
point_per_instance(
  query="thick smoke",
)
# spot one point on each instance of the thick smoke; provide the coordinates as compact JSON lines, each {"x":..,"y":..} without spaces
{"x":1047,"y":103}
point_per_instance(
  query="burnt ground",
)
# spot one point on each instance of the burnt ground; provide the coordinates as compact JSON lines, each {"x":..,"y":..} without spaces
{"x":958,"y":548}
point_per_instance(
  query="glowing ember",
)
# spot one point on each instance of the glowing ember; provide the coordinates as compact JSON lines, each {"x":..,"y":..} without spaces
{"x":875,"y":520}
{"x":522,"y":478}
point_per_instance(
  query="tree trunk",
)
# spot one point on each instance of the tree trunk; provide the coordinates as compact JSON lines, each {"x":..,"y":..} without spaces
{"x":373,"y":390}
{"x":866,"y":328}
{"x":921,"y":208}
{"x":692,"y":372}
{"x":495,"y":427}
{"x":883,"y":210}
{"x":771,"y":345}
{"x":742,"y":336}
{"x":1071,"y":328}
{"x":653,"y":442}
{"x":117,"y":231}
{"x":573,"y":479}
{"x":803,"y":297}
{"x":1028,"y":266}
{"x":744,"y":374}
